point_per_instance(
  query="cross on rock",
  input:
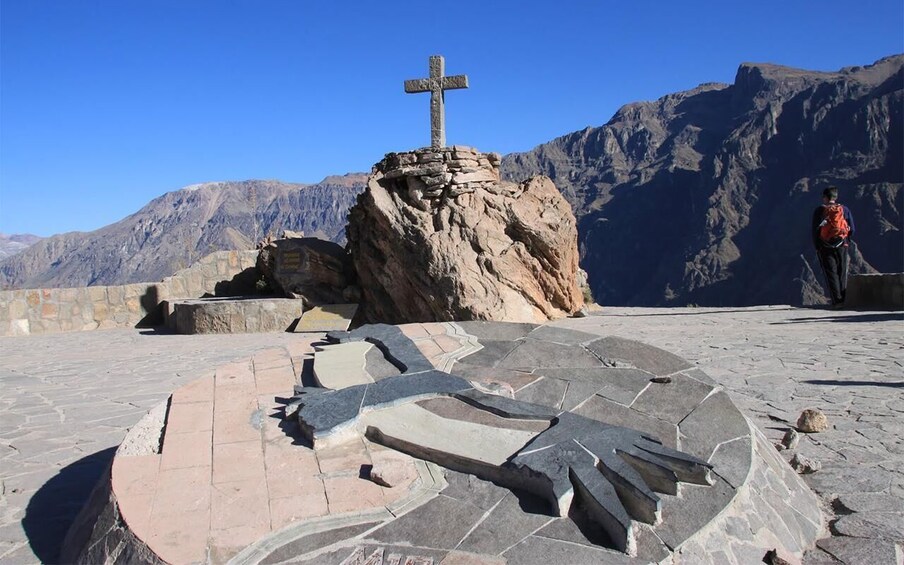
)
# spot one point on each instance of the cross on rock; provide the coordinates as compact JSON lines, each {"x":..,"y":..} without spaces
{"x":436,"y":85}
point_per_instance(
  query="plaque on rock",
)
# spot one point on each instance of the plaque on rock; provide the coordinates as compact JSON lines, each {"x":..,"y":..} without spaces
{"x":315,"y":270}
{"x":326,"y":318}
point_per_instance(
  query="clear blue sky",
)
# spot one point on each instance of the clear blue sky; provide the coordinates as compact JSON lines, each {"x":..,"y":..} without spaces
{"x":106,"y":104}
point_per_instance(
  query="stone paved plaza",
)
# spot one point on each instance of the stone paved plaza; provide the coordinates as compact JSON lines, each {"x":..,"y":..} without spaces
{"x":68,"y":399}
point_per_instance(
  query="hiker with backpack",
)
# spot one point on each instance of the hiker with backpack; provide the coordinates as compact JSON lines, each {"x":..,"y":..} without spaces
{"x":833,"y":227}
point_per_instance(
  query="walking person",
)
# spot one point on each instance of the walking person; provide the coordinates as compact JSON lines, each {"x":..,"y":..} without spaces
{"x":833,"y":227}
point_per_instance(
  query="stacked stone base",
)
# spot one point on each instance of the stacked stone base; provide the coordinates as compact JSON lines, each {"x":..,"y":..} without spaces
{"x":447,"y":172}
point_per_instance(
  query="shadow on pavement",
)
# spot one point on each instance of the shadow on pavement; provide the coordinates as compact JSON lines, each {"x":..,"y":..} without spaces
{"x":892,"y":384}
{"x":157,"y":330}
{"x":704,"y":311}
{"x":883,"y":317}
{"x":55,"y":505}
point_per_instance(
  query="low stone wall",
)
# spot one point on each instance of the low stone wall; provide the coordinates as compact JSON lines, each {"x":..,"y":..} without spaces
{"x":879,"y":291}
{"x":49,"y":310}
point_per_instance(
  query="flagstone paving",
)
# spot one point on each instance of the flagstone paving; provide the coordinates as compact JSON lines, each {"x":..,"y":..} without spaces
{"x":68,"y":398}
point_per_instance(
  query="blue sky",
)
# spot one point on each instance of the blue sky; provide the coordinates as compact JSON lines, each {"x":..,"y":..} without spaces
{"x":106,"y":104}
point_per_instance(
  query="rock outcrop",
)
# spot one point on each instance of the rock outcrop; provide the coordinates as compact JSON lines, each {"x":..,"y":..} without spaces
{"x":436,"y":237}
{"x":312,"y":269}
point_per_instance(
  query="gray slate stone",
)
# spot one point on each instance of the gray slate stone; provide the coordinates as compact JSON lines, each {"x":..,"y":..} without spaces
{"x":324,"y":411}
{"x":406,"y":552}
{"x":731,"y":460}
{"x":699,"y":375}
{"x":889,"y":526}
{"x":506,"y":407}
{"x":534,"y":354}
{"x":470,"y":489}
{"x":672,"y":401}
{"x":578,"y":527}
{"x":433,"y":383}
{"x":492,"y":353}
{"x":859,"y":550}
{"x":578,"y":392}
{"x":640,"y":355}
{"x":509,"y":522}
{"x":716,"y":420}
{"x":621,"y":385}
{"x":441,"y":523}
{"x":563,"y":336}
{"x":547,"y":392}
{"x":396,"y":346}
{"x":517,"y":379}
{"x":537,"y":550}
{"x":609,"y":412}
{"x":846,"y":480}
{"x":313,"y":542}
{"x":683,"y":516}
{"x":857,"y":502}
{"x":649,"y":547}
{"x":377,"y":366}
{"x":497,"y":331}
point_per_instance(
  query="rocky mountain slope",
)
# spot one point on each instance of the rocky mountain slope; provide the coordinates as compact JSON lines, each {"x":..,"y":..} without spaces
{"x":705,"y":196}
{"x":700,"y":197}
{"x":176,"y":229}
{"x":14,"y":243}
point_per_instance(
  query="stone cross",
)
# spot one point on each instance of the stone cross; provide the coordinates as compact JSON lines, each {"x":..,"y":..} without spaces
{"x":436,"y":85}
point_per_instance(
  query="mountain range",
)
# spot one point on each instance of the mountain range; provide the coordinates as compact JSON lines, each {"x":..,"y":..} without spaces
{"x":176,"y":229}
{"x":701,"y":197}
{"x":14,"y":243}
{"x":706,"y":196}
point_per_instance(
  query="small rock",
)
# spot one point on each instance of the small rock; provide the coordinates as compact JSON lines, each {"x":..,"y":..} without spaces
{"x":352,"y":294}
{"x":494,"y":387}
{"x":391,"y":468}
{"x":804,"y":465}
{"x":582,"y":313}
{"x":661,"y":380}
{"x":811,"y":421}
{"x":790,"y":439}
{"x":773,"y":557}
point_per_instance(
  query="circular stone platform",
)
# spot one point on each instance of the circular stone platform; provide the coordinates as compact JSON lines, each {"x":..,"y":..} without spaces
{"x":232,"y":470}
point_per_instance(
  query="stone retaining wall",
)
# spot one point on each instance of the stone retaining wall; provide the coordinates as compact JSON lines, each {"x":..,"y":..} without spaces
{"x":50,"y":310}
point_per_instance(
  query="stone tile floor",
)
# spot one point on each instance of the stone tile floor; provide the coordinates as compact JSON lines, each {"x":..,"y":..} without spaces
{"x":228,"y":474}
{"x":777,"y":361}
{"x":67,"y":399}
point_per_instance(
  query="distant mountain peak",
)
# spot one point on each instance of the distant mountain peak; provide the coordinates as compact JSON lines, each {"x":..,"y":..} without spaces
{"x":705,"y":196}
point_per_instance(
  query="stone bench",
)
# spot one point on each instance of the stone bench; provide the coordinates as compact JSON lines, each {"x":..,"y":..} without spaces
{"x":232,"y":315}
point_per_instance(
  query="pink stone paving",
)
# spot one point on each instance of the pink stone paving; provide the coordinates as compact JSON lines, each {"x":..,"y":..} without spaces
{"x":434,"y":341}
{"x":228,"y":474}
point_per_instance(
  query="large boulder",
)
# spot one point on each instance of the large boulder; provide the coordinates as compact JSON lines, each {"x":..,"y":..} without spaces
{"x":312,"y":269}
{"x":436,"y":237}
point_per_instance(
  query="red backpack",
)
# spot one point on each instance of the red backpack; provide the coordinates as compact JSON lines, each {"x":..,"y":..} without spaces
{"x":834,"y":229}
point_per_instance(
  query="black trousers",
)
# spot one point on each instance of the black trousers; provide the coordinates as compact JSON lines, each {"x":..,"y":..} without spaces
{"x":834,"y":261}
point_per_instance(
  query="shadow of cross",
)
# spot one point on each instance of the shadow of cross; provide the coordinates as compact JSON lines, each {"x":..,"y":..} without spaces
{"x":613,"y":472}
{"x":436,"y":84}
